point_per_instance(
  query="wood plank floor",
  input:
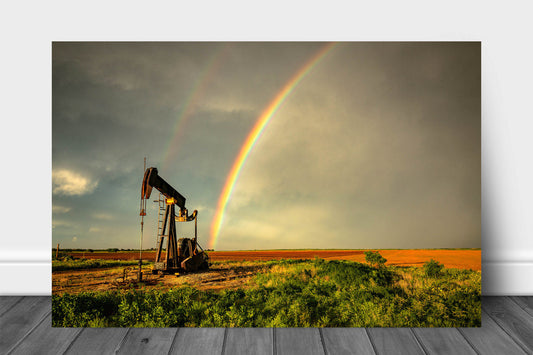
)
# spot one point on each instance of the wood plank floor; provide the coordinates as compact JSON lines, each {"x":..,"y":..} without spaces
{"x":507,"y":328}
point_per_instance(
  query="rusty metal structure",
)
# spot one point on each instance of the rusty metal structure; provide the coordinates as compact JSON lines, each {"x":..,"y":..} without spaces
{"x":184,"y":254}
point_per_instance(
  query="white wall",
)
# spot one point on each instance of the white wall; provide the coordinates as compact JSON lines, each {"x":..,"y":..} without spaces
{"x":26,"y":33}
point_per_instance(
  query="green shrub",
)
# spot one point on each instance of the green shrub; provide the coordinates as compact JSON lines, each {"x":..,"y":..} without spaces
{"x":433,"y":268}
{"x":375,"y":259}
{"x":312,"y":293}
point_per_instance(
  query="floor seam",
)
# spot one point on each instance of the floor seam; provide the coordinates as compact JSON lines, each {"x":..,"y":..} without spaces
{"x":28,"y":333}
{"x":117,"y":349}
{"x":73,"y":340}
{"x":13,"y":305}
{"x":173,"y":341}
{"x":371,"y":341}
{"x":526,"y":309}
{"x":419,"y":342}
{"x":517,"y":342}
{"x":224,"y":341}
{"x":322,"y":341}
{"x":468,"y":341}
{"x":274,"y":350}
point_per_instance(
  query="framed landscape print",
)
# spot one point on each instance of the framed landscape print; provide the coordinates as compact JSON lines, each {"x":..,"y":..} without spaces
{"x":266,"y":184}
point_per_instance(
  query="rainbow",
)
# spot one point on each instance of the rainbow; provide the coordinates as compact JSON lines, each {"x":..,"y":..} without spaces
{"x":253,"y":136}
{"x":187,"y":109}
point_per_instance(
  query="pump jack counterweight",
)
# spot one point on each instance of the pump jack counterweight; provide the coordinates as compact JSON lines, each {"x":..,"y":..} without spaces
{"x":184,"y":254}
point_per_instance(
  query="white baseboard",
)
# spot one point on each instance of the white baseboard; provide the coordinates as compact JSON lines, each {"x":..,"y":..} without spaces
{"x":25,"y":278}
{"x":34,"y":278}
{"x":509,"y":278}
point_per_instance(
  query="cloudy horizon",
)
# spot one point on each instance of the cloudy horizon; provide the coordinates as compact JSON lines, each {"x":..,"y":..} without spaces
{"x":379,"y":145}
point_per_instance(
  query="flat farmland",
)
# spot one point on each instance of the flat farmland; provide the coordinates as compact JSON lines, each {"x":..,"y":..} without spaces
{"x":261,"y":288}
{"x":451,"y":258}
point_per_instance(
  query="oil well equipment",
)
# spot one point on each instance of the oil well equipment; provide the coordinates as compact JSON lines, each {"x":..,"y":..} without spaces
{"x":183,"y":254}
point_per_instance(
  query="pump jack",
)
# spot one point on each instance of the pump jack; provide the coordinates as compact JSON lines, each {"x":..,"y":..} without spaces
{"x":182,"y":254}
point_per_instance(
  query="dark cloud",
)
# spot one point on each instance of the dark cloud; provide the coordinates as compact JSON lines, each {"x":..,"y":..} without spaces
{"x":379,"y":145}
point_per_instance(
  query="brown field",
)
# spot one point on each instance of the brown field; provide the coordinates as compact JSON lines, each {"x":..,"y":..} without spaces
{"x":451,"y":258}
{"x":218,"y":277}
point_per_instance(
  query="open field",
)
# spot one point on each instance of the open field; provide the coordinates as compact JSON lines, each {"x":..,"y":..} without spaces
{"x":272,"y":288}
{"x":230,"y":269}
{"x":451,"y":258}
{"x":278,"y":293}
{"x":220,"y":276}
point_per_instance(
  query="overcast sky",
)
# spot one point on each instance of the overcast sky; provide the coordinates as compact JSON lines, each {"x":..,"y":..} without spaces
{"x":379,"y":146}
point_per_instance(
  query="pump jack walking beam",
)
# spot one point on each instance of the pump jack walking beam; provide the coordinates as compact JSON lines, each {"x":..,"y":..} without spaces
{"x":152,"y":179}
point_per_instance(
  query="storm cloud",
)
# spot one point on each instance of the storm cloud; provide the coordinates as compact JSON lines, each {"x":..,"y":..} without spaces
{"x":379,"y":146}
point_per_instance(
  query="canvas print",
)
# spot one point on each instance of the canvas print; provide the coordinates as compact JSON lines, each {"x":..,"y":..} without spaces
{"x":266,"y":184}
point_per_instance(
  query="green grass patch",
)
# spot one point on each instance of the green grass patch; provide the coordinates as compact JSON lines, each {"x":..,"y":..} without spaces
{"x":292,"y":293}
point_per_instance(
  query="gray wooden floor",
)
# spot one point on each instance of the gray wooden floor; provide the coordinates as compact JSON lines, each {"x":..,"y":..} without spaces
{"x":25,"y":328}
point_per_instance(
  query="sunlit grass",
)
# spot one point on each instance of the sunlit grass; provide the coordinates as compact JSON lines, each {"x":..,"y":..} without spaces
{"x":292,"y":293}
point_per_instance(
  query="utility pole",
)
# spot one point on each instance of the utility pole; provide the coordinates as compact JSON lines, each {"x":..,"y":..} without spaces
{"x":142,"y":213}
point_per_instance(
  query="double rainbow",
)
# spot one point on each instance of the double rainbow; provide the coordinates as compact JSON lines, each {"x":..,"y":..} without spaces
{"x":254,"y":134}
{"x":198,"y":90}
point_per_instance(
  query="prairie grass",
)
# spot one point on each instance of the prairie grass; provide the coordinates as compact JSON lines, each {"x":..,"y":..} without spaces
{"x":292,"y":293}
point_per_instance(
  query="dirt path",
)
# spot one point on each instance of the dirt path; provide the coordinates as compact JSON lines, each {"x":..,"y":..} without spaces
{"x":218,"y":277}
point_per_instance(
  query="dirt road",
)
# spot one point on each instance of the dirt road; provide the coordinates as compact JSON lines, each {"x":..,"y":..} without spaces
{"x":218,"y":277}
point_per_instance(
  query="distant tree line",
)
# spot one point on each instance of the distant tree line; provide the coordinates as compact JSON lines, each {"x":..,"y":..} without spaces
{"x":80,"y":250}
